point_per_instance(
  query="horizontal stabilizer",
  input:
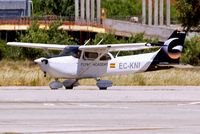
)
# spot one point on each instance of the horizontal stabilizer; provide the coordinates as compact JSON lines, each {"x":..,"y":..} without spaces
{"x":181,"y":66}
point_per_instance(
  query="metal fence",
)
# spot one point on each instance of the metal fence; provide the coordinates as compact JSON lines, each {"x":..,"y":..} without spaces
{"x":66,"y":20}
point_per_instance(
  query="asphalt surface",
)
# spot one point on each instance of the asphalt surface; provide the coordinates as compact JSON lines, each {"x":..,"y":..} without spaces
{"x":119,"y":110}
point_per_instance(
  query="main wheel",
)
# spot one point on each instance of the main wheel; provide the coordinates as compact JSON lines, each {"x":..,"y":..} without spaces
{"x":69,"y":84}
{"x":54,"y":85}
{"x":54,"y":88}
{"x":102,"y":88}
{"x":69,"y":88}
{"x":103,"y":84}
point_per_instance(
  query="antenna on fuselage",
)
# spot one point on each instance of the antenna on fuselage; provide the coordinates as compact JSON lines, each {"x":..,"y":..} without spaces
{"x":100,"y":42}
{"x":86,"y":42}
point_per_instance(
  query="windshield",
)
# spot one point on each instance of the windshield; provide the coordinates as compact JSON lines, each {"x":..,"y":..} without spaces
{"x":71,"y":51}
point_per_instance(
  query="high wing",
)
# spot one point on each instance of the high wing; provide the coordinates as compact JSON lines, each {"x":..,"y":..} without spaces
{"x":89,"y":48}
{"x":38,"y":45}
{"x":116,"y":47}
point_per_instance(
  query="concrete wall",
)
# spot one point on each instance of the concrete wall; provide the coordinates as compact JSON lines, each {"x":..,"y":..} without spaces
{"x":128,"y":28}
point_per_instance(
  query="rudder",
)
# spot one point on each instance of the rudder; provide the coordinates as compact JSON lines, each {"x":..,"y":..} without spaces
{"x":170,"y":52}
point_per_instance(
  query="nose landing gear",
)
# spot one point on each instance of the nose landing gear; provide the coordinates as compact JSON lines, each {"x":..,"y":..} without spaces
{"x":55,"y":85}
{"x":45,"y":74}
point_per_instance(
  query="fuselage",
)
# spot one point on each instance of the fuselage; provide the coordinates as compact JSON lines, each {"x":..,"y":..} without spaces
{"x":69,"y":67}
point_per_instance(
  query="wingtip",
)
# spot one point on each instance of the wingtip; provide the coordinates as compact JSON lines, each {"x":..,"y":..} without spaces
{"x":12,"y":43}
{"x":9,"y":43}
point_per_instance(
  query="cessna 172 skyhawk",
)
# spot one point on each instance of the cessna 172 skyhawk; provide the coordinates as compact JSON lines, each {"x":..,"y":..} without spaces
{"x":94,"y":61}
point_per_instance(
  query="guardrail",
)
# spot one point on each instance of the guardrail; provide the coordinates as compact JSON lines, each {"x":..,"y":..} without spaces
{"x":68,"y":20}
{"x":46,"y":20}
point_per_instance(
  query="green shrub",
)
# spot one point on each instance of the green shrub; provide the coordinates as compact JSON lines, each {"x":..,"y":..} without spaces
{"x":122,"y":8}
{"x":191,"y":53}
{"x":8,"y":52}
{"x":2,"y":49}
{"x":53,"y":35}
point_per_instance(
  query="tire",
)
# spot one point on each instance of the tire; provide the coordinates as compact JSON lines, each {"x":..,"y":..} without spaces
{"x":102,"y":88}
{"x":54,"y":88}
{"x":69,"y":88}
{"x":55,"y":85}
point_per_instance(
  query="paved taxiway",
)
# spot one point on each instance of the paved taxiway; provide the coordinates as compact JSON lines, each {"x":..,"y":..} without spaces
{"x":119,"y":110}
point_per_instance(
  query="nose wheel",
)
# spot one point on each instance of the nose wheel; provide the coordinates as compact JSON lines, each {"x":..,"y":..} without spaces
{"x":54,"y":85}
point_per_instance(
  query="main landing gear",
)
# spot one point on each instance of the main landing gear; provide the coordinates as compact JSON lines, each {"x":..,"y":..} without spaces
{"x":103,"y":84}
{"x":68,"y":84}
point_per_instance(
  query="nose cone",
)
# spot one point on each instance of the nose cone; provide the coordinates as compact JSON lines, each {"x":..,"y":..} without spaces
{"x":40,"y":60}
{"x":37,"y":61}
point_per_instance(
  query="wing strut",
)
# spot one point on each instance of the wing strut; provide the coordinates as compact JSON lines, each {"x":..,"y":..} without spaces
{"x":117,"y":54}
{"x":99,"y":42}
{"x":86,"y":42}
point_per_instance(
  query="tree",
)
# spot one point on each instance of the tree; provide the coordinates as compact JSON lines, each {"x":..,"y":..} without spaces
{"x":122,"y":8}
{"x":53,"y":35}
{"x":191,"y":53}
{"x":108,"y":38}
{"x":2,"y":49}
{"x":53,"y":7}
{"x":189,"y":13}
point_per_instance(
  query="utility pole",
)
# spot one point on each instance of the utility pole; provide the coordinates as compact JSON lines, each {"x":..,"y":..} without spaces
{"x":150,"y":12}
{"x":168,"y":13}
{"x":143,"y":11}
{"x":76,"y":10}
{"x":98,"y":11}
{"x":82,"y":10}
{"x":161,"y":12}
{"x":155,"y":12}
{"x":88,"y":10}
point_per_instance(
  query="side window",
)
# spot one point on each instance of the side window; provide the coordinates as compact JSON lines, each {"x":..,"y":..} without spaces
{"x":105,"y":57}
{"x":90,"y":56}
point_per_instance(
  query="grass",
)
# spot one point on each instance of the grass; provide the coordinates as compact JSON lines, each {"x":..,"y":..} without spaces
{"x":26,"y":73}
{"x":20,"y":73}
{"x":174,"y":77}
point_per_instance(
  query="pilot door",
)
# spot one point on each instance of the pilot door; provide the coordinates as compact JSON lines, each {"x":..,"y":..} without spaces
{"x":93,"y":64}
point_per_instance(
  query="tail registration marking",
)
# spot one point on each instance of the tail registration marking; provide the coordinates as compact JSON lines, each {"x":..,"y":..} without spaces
{"x":132,"y":65}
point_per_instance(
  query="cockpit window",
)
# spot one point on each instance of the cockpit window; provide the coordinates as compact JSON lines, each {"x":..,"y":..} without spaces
{"x":71,"y":51}
{"x":90,"y":56}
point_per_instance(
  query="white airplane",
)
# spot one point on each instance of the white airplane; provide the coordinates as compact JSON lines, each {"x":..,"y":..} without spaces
{"x":95,"y":61}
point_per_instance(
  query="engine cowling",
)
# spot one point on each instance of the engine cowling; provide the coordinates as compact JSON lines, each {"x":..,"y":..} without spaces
{"x":172,"y":48}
